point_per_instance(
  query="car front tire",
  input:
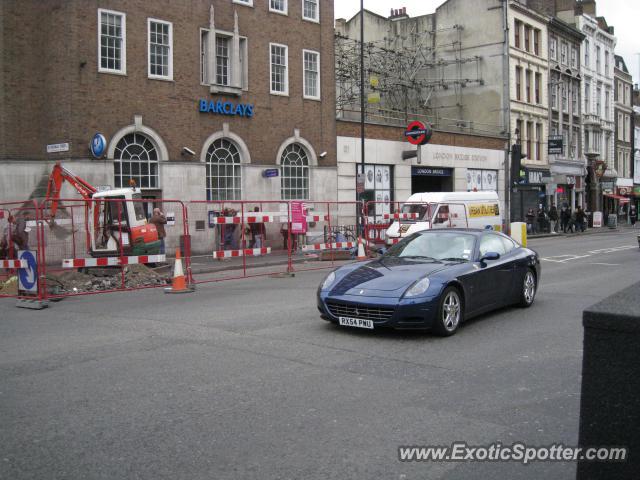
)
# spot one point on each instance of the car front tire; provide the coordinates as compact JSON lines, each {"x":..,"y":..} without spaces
{"x":450,"y":312}
{"x":529,"y":289}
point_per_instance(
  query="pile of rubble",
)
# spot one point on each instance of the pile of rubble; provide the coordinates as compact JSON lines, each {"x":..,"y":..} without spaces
{"x":9,"y":286}
{"x":100,"y":279}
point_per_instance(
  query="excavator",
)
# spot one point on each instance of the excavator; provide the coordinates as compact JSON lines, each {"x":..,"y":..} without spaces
{"x":115,"y":220}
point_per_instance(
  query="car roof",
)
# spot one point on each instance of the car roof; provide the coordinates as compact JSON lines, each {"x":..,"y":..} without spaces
{"x":473,"y":231}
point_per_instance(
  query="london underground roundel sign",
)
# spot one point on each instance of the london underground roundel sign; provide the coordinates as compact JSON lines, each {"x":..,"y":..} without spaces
{"x":418,"y":133}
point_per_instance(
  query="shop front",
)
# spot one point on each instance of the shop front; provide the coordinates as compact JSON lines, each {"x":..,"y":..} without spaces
{"x":431,"y":179}
{"x":531,"y":193}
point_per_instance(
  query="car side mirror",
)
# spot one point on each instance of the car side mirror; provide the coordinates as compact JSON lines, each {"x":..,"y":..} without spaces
{"x":489,"y":256}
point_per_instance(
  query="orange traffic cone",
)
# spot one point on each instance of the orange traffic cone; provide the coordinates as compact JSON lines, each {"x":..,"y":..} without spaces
{"x":361,"y":254}
{"x":179,"y":284}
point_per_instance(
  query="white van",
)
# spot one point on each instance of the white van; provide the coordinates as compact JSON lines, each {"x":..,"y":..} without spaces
{"x":423,"y":211}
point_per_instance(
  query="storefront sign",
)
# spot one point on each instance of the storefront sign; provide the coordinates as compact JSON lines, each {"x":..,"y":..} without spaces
{"x":555,"y":146}
{"x":431,"y":172}
{"x":607,"y":187}
{"x":597,"y":219}
{"x":226,"y":108}
{"x":537,"y":177}
{"x":624,"y":191}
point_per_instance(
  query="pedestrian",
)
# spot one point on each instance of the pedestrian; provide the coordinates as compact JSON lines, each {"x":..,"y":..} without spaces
{"x":159,"y":220}
{"x":258,"y":232}
{"x":565,"y":215}
{"x":542,"y":219}
{"x":580,"y":218}
{"x":573,"y":222}
{"x":230,"y":231}
{"x":531,"y":221}
{"x":553,"y":218}
{"x":633,"y":215}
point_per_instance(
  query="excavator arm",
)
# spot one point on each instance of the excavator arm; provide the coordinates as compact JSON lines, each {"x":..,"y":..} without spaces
{"x":58,"y":175}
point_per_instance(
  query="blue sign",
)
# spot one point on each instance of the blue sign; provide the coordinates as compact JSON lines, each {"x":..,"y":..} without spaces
{"x":270,"y":173}
{"x":431,"y":172}
{"x":28,"y":277}
{"x":226,"y":108}
{"x":98,"y":145}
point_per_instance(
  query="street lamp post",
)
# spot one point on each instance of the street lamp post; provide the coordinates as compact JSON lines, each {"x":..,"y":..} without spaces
{"x":362,"y":112}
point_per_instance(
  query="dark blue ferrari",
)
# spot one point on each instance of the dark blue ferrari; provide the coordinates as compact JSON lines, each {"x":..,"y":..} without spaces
{"x":432,"y":279}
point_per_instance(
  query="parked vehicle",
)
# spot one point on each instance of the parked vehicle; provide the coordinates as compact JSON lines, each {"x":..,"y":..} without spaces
{"x":115,"y":219}
{"x":434,"y":279}
{"x":446,"y":210}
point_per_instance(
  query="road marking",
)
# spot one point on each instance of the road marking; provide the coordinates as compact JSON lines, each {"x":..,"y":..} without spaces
{"x":570,"y":257}
{"x":606,"y":264}
{"x":564,"y":258}
{"x":613,"y":249}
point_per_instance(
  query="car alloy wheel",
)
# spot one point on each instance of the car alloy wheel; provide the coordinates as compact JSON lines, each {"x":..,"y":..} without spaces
{"x":450,"y":312}
{"x":528,"y":289}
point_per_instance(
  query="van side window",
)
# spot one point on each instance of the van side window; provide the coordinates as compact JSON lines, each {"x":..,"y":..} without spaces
{"x":442,"y":215}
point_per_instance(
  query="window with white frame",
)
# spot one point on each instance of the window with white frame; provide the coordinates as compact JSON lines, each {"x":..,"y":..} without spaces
{"x":574,"y":142}
{"x":160,"y":49}
{"x":586,"y":53}
{"x":620,"y":127}
{"x":311,"y":10}
{"x":574,"y":57}
{"x":136,"y":158}
{"x":248,"y":3}
{"x":606,"y":62}
{"x":587,"y":98}
{"x":598,"y":101}
{"x":112,"y":42}
{"x":627,"y":128}
{"x":554,"y":96}
{"x":311,"y":61}
{"x":279,"y":69}
{"x":224,"y":171}
{"x":598,"y":58}
{"x":225,"y":56}
{"x":574,"y":99}
{"x":565,"y":97}
{"x":607,"y":100}
{"x":563,"y":53}
{"x":553,"y":46}
{"x":278,"y":6}
{"x":294,"y":181}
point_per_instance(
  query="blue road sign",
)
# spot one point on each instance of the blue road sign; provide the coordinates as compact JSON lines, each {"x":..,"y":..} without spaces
{"x":28,"y":277}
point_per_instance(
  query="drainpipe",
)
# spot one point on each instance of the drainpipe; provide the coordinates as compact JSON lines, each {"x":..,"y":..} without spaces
{"x":506,"y":109}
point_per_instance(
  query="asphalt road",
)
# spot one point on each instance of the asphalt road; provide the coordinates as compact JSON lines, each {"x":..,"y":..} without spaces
{"x":242,"y":380}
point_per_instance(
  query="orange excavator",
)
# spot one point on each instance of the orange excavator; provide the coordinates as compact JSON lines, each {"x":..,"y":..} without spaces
{"x":115,"y":219}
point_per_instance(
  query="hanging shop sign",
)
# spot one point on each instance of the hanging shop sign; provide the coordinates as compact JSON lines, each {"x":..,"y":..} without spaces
{"x":226,"y":108}
{"x":599,"y":168}
{"x":555,"y":145}
{"x":98,"y":145}
{"x":418,"y":133}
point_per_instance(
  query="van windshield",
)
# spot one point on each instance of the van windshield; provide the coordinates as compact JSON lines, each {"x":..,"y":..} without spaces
{"x":420,"y":208}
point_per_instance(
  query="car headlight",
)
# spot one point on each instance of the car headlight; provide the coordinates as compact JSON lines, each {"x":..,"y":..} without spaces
{"x":418,"y":288}
{"x":328,"y":281}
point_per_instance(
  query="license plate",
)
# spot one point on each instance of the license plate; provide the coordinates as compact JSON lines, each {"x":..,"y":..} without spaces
{"x":355,"y":322}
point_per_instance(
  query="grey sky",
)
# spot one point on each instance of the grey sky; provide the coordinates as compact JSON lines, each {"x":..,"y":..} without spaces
{"x":622,"y":14}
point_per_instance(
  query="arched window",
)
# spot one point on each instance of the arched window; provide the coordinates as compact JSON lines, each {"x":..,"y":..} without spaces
{"x":136,"y":157}
{"x":295,"y":173}
{"x":224,"y":175}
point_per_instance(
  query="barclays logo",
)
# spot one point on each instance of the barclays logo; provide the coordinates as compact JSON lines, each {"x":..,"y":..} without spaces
{"x":226,"y":108}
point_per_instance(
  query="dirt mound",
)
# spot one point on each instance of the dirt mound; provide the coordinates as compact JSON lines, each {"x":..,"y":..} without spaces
{"x":100,"y":279}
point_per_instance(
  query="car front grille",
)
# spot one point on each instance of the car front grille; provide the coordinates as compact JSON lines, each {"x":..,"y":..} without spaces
{"x":375,"y":314}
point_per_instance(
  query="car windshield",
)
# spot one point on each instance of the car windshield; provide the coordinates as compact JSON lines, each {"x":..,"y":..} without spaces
{"x":441,"y":246}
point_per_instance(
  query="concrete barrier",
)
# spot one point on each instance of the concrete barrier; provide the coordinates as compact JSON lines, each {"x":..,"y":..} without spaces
{"x":519,"y":232}
{"x":610,"y":400}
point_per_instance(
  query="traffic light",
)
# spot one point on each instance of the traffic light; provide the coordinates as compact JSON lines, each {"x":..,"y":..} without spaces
{"x":518,"y":174}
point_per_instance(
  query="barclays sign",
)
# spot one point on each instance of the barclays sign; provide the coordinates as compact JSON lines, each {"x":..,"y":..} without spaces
{"x":226,"y":108}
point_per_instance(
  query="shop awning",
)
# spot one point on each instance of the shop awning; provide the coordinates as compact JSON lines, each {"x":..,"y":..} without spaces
{"x":620,"y":198}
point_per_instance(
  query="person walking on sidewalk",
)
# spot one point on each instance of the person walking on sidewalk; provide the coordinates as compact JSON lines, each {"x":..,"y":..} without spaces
{"x":580,"y":218}
{"x":542,"y":220}
{"x":553,"y":218}
{"x":633,"y":215}
{"x":531,"y":221}
{"x":565,"y":215}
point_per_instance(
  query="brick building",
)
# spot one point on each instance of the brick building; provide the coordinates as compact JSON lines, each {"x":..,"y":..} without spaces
{"x":186,"y":113}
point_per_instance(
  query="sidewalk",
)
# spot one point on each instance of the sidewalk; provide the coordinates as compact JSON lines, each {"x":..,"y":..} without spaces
{"x":588,"y":231}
